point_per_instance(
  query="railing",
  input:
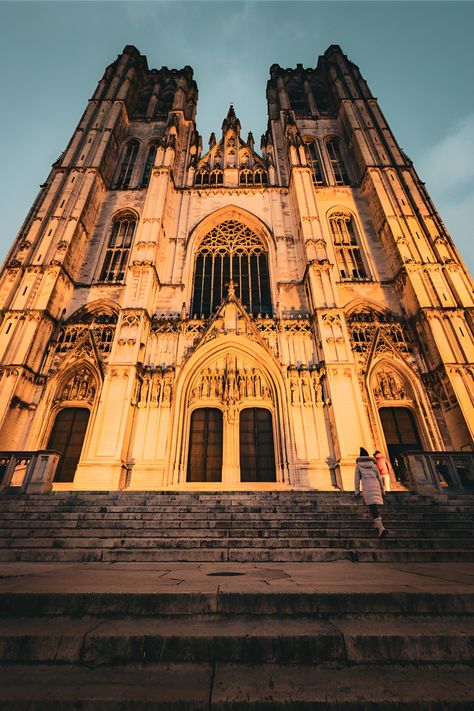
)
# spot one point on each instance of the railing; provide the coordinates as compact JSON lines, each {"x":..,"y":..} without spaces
{"x":434,"y":473}
{"x":28,"y":472}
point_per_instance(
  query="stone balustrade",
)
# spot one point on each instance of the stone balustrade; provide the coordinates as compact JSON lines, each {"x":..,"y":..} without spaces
{"x":435,"y":473}
{"x":28,"y":472}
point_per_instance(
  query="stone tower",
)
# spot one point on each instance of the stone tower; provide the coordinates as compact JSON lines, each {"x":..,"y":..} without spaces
{"x":233,"y":318}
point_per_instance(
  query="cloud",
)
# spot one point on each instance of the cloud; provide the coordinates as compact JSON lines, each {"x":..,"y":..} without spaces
{"x":448,"y":169}
{"x":449,"y":164}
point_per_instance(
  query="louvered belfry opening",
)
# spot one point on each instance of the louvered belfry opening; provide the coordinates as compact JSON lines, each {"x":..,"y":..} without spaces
{"x":257,"y":452}
{"x":67,"y":437}
{"x":205,"y":446}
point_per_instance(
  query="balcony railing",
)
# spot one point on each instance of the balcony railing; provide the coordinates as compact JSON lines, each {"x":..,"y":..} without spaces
{"x":28,"y":472}
{"x":434,"y":473}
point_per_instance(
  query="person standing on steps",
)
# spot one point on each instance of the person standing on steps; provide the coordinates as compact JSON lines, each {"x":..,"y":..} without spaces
{"x":373,"y":491}
{"x":385,"y":468}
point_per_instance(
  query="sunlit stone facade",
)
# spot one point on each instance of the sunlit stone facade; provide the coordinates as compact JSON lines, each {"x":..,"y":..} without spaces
{"x":233,"y":317}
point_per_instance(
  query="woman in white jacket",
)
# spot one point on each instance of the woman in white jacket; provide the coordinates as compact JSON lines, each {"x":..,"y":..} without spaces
{"x":373,"y":491}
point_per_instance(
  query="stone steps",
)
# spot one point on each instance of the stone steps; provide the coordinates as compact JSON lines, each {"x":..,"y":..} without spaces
{"x":265,"y":639}
{"x":243,"y":526}
{"x":236,"y":650}
{"x":234,"y":687}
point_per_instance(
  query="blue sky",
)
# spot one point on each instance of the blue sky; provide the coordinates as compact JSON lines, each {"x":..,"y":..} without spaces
{"x":416,"y":56}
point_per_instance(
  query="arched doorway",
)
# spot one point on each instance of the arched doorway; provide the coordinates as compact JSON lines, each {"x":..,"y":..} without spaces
{"x":205,"y":446}
{"x":257,"y":451}
{"x":67,"y":437}
{"x":400,"y":432}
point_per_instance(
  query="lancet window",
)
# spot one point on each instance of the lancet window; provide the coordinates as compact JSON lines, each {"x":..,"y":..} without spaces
{"x":116,"y":257}
{"x":297,"y":99}
{"x":216,"y":177}
{"x":231,"y":251}
{"x":150,"y":160}
{"x":260,"y":177}
{"x":202,"y":177}
{"x":246,"y":177}
{"x":348,"y":257}
{"x":338,"y":167}
{"x":128,"y":164}
{"x":315,"y":163}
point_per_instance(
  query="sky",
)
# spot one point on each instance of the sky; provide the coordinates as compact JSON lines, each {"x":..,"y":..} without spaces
{"x":416,"y":56}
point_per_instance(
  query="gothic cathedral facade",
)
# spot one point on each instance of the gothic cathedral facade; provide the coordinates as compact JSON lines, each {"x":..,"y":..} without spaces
{"x":233,"y":317}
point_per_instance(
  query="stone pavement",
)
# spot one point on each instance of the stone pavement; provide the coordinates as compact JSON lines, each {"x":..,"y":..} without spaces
{"x":212,"y":578}
{"x":228,"y":636}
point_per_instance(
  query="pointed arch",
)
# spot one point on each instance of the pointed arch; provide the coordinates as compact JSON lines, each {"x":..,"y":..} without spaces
{"x":99,"y":307}
{"x":392,"y":383}
{"x":230,"y":359}
{"x":230,"y":244}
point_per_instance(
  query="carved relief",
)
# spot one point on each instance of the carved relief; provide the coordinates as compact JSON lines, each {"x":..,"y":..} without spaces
{"x":388,"y":386}
{"x":80,"y":386}
{"x":153,"y":387}
{"x":230,"y":384}
{"x":306,"y":384}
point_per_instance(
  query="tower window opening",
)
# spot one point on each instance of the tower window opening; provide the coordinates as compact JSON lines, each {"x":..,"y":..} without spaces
{"x":338,"y":167}
{"x":128,"y":164}
{"x":231,"y":251}
{"x":349,"y":260}
{"x":118,"y":250}
{"x":149,"y":163}
{"x":315,"y":163}
{"x":297,"y":99}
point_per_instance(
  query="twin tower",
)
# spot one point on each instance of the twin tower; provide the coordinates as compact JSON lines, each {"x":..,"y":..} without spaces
{"x":238,"y":315}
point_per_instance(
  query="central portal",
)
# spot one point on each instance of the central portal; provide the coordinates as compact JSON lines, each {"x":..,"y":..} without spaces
{"x":205,"y":445}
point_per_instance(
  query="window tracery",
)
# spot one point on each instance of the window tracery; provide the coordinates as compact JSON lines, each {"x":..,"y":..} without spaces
{"x":366,"y":323}
{"x":246,"y":177}
{"x":338,"y":167}
{"x":349,"y":260}
{"x":116,"y":257}
{"x":202,"y":177}
{"x":150,"y":160}
{"x":231,"y":251}
{"x":128,"y":164}
{"x":315,"y":163}
{"x":216,"y":177}
{"x":100,"y":325}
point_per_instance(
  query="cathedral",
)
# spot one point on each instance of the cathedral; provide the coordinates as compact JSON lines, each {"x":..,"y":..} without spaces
{"x":236,"y":316}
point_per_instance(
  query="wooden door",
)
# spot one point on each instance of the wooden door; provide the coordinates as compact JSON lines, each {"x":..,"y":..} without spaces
{"x":67,"y":437}
{"x":257,"y":452}
{"x":401,"y":434}
{"x":205,"y":445}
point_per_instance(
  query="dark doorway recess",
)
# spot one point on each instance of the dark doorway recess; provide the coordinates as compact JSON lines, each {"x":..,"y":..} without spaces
{"x":205,"y":445}
{"x":400,"y":430}
{"x":67,"y":437}
{"x":257,"y":452}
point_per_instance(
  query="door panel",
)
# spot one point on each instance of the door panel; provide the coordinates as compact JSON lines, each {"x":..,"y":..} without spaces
{"x":205,"y":445}
{"x":257,"y":452}
{"x":401,"y":434}
{"x":67,"y":437}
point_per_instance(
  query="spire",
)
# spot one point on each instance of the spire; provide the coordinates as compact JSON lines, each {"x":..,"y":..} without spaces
{"x":231,"y":121}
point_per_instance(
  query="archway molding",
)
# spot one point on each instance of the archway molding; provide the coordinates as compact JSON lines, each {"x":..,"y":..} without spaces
{"x":214,"y":219}
{"x":230,"y":374}
{"x":392,"y":383}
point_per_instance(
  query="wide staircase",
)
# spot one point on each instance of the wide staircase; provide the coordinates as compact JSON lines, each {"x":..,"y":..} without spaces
{"x":264,"y":634}
{"x":235,"y":526}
